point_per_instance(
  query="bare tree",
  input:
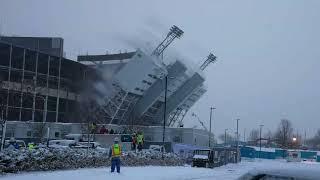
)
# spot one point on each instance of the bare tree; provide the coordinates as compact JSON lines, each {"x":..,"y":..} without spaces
{"x":314,"y":142}
{"x":226,"y":138}
{"x":254,"y":136}
{"x":268,"y":135}
{"x":283,"y":135}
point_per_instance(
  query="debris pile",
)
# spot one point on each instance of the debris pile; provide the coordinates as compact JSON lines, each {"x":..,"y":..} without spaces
{"x":49,"y":159}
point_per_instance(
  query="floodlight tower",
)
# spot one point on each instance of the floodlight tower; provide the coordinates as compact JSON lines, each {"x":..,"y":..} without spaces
{"x":210,"y":59}
{"x":174,"y":33}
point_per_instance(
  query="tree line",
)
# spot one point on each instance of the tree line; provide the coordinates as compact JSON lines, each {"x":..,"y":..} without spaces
{"x":284,"y":136}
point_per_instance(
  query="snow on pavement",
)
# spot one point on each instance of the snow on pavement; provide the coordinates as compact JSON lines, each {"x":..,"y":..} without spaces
{"x":230,"y":171}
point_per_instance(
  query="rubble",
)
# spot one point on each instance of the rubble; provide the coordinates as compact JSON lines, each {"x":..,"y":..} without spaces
{"x":49,"y":159}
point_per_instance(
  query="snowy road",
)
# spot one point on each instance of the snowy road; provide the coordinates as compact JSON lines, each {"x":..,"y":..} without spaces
{"x":231,"y":171}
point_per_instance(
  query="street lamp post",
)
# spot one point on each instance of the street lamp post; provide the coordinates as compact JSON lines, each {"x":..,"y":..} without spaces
{"x":225,"y":137}
{"x":260,"y":140}
{"x":164,"y":113}
{"x":211,"y":109}
{"x":237,"y":155}
{"x":294,"y":140}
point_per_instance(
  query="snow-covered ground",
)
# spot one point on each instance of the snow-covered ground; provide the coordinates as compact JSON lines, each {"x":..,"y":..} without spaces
{"x":230,"y":171}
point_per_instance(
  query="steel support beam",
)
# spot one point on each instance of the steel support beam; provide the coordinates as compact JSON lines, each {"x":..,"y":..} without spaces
{"x":22,"y":82}
{"x":58,"y":95}
{"x":9,"y":80}
{"x":35,"y":89}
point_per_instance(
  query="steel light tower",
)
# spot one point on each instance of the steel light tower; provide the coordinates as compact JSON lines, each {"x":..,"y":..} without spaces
{"x":210,"y":59}
{"x":174,"y":33}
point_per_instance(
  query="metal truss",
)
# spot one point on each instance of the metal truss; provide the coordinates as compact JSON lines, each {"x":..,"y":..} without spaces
{"x":210,"y":59}
{"x":174,"y":33}
{"x":117,"y":105}
{"x":177,"y":116}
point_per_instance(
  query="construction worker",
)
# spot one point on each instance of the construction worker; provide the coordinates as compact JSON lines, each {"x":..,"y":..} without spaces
{"x":115,"y":154}
{"x":13,"y":145}
{"x":134,"y":141}
{"x":31,"y":146}
{"x":140,"y":140}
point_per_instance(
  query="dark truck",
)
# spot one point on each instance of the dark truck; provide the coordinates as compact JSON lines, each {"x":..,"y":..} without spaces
{"x":214,"y":157}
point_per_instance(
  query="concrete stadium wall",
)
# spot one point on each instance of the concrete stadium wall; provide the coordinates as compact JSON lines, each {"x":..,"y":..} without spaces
{"x":21,"y":130}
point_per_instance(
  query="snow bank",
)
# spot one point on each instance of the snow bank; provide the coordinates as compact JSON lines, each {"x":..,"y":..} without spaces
{"x":263,"y":149}
{"x":227,"y":172}
{"x":45,"y":159}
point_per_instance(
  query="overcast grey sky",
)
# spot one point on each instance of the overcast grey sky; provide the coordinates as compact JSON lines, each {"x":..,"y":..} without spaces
{"x":268,"y":51}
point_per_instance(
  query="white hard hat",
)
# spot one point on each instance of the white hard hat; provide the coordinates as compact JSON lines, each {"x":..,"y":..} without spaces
{"x":116,"y":139}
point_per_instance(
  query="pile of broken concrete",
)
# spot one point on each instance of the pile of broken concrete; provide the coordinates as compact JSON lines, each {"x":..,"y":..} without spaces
{"x":49,"y":159}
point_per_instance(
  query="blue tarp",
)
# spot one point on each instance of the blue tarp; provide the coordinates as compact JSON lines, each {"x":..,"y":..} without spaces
{"x":248,"y":152}
{"x":308,"y":154}
{"x":281,"y":153}
{"x":254,"y":152}
{"x":265,"y":155}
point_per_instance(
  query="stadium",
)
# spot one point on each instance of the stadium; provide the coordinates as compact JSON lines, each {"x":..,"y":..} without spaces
{"x":38,"y":84}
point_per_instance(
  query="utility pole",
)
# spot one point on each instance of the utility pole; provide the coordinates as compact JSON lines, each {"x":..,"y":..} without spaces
{"x":237,"y":157}
{"x":244,"y":135}
{"x":164,"y":113}
{"x":211,"y":109}
{"x":225,"y":137}
{"x":305,"y":137}
{"x":260,"y":140}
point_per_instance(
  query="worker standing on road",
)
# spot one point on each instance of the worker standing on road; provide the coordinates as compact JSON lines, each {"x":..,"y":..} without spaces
{"x":115,"y":154}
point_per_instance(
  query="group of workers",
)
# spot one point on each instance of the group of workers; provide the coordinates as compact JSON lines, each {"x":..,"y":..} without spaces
{"x":137,"y":141}
{"x":115,"y":151}
{"x":13,"y":145}
{"x":94,"y":129}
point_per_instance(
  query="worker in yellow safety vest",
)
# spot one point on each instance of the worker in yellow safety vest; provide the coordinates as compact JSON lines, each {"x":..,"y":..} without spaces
{"x":115,"y":154}
{"x":31,"y":146}
{"x":140,"y":140}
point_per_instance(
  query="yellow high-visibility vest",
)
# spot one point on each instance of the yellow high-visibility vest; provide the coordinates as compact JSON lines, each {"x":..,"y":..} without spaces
{"x":116,"y":150}
{"x":31,"y":146}
{"x":140,"y":138}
